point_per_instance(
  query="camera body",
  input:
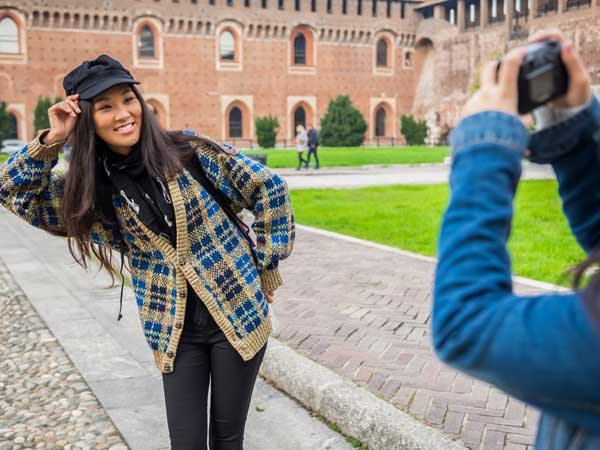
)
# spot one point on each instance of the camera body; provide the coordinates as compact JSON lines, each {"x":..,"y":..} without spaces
{"x":542,"y":76}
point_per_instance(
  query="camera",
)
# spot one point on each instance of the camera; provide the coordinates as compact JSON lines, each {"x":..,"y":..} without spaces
{"x":542,"y":76}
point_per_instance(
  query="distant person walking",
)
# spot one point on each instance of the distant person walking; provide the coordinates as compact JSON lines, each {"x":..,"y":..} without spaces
{"x":301,"y":145}
{"x":313,"y":145}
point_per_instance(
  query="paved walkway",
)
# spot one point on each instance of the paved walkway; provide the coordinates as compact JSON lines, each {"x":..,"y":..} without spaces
{"x":364,"y":312}
{"x":84,"y":349}
{"x":353,"y":177}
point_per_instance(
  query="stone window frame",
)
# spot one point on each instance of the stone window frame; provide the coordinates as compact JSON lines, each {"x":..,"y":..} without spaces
{"x":162,"y":104}
{"x":309,"y":104}
{"x":246,"y":105}
{"x":310,"y":36}
{"x":390,"y":107}
{"x":410,"y":65}
{"x":18,"y":111}
{"x":156,"y":25}
{"x":141,"y":41}
{"x":20,"y":21}
{"x":389,"y":69}
{"x":238,"y":56}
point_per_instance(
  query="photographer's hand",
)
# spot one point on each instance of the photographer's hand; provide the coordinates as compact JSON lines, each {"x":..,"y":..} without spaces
{"x":497,"y":93}
{"x":579,"y":90}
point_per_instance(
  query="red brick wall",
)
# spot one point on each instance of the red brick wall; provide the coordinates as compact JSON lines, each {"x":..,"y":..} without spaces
{"x":188,"y":76}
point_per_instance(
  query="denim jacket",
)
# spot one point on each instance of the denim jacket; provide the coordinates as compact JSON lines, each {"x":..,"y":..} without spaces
{"x":544,"y":349}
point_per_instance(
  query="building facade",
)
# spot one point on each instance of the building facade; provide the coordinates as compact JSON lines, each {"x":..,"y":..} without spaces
{"x":216,"y":65}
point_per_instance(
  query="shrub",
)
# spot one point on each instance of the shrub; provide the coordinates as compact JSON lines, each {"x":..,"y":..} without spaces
{"x":414,"y":131}
{"x":342,"y":125}
{"x":4,"y":122}
{"x":266,"y":131}
{"x":40,"y":115}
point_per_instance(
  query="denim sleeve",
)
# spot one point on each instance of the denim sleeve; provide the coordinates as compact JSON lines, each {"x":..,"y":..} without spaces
{"x":541,"y":349}
{"x":573,"y":149}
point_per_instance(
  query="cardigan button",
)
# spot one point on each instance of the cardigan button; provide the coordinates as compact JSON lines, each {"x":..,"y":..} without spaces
{"x":182,"y":293}
{"x":170,"y":354}
{"x":182,"y":261}
{"x":167,"y":367}
{"x":178,"y":325}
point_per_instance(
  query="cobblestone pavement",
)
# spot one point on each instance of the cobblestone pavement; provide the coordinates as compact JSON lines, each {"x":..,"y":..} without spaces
{"x":44,"y":401}
{"x":364,"y":312}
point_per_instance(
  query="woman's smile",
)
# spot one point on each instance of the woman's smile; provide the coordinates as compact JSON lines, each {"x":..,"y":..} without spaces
{"x":117,"y":117}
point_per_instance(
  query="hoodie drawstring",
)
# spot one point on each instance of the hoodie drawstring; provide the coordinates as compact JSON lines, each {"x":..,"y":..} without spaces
{"x":122,"y":245}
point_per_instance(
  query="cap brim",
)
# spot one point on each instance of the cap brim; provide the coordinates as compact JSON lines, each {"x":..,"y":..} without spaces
{"x":92,"y":91}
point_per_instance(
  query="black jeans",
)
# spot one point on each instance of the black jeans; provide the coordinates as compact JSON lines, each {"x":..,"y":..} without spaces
{"x":205,"y":356}
{"x":312,"y":150}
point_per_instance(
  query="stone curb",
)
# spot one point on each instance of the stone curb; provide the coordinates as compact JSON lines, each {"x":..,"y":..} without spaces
{"x":357,"y":412}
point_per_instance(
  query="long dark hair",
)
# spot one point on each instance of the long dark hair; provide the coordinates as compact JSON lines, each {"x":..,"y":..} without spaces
{"x":88,"y":194}
{"x":592,"y":290}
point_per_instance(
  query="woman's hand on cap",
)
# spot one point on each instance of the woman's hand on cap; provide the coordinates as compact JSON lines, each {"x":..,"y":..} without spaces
{"x":63,"y":118}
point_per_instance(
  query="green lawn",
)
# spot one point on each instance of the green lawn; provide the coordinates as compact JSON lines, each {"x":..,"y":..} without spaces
{"x":351,"y":156}
{"x":358,"y":156}
{"x":408,"y":217}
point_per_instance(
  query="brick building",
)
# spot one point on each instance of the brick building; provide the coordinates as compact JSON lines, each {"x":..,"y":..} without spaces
{"x":215,"y":65}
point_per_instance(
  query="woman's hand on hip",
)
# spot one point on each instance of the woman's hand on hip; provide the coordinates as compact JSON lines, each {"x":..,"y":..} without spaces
{"x":63,"y":118}
{"x":270,"y":296}
{"x":498,"y":90}
{"x":579,"y":90}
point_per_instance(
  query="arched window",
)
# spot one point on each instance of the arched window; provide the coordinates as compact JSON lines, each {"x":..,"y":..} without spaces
{"x":235,"y":123}
{"x":382,"y":53}
{"x":9,"y":36}
{"x":472,"y":13}
{"x":13,"y":132}
{"x":407,"y":59}
{"x":227,"y":46}
{"x":299,"y":117}
{"x":146,"y":42}
{"x":380,"y":117}
{"x":452,"y":17}
{"x":300,"y":49}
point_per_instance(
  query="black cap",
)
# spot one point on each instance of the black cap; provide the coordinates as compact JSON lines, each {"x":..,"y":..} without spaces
{"x":93,"y":77}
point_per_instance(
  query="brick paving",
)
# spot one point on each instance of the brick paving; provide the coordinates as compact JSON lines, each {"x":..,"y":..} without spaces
{"x":365,"y":313}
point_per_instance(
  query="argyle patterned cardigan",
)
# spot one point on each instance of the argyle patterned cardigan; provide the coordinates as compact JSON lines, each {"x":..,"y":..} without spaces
{"x":210,"y":253}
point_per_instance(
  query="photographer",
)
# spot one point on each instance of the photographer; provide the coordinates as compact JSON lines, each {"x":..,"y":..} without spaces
{"x":545,"y":349}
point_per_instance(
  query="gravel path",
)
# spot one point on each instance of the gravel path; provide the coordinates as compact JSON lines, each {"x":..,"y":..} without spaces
{"x":44,"y":401}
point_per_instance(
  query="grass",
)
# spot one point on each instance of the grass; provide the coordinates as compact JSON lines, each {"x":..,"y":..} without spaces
{"x":541,"y":243}
{"x":350,"y":156}
{"x":358,"y":156}
{"x":355,"y":443}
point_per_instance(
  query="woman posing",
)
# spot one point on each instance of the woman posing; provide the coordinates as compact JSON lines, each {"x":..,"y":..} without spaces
{"x":167,"y":201}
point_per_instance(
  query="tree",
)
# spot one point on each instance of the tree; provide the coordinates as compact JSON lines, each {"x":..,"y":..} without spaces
{"x":266,"y":131}
{"x":5,"y":122}
{"x":342,"y":125}
{"x":40,"y":115}
{"x":414,"y":131}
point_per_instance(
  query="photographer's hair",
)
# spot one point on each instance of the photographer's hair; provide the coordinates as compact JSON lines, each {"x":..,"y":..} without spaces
{"x":88,"y":192}
{"x":591,"y":294}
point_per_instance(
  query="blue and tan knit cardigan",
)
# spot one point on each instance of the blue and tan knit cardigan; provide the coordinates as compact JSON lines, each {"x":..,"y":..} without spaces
{"x":211,"y":253}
